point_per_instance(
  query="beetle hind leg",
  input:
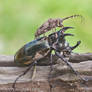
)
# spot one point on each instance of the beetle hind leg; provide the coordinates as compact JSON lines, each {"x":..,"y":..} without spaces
{"x":49,"y":76}
{"x":14,"y":84}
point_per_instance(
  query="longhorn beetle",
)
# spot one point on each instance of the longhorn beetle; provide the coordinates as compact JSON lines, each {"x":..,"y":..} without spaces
{"x":32,"y":52}
{"x":52,"y":24}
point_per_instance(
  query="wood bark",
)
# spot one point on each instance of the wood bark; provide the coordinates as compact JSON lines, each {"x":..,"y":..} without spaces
{"x":61,"y":77}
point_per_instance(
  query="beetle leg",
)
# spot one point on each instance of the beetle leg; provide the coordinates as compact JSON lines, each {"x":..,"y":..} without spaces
{"x":51,"y":62}
{"x":34,"y":72}
{"x":66,"y":61}
{"x":51,"y":67}
{"x":13,"y":86}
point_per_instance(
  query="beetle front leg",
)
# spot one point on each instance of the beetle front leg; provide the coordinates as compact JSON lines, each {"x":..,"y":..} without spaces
{"x":69,"y":49}
{"x":76,"y":73}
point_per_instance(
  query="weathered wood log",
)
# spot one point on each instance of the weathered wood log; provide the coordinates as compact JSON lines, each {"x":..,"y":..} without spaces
{"x":74,"y":58}
{"x":62,"y":78}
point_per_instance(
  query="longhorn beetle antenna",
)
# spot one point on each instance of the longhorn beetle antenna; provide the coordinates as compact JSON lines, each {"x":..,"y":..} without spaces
{"x":73,"y":16}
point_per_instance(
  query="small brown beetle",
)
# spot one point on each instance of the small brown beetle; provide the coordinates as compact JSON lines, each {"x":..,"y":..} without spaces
{"x":52,"y":24}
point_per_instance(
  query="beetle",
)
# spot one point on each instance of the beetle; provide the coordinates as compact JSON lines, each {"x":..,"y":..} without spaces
{"x":38,"y":48}
{"x":52,"y":23}
{"x":32,"y":52}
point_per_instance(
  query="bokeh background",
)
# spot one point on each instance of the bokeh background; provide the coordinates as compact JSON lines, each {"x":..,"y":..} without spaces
{"x":19,"y":20}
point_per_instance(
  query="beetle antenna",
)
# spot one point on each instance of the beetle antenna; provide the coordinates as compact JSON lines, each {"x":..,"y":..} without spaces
{"x":73,"y":16}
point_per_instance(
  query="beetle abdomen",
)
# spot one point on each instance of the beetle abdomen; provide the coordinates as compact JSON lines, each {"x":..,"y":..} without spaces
{"x":32,"y":51}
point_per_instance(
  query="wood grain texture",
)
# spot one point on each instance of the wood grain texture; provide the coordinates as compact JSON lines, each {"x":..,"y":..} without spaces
{"x":62,"y":77}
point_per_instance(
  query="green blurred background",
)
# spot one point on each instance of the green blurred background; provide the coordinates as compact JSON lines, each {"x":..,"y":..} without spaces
{"x":19,"y":20}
